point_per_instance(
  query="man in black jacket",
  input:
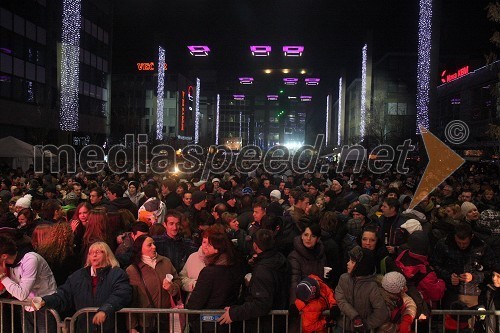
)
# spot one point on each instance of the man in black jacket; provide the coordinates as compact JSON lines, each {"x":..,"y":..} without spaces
{"x":268,"y":287}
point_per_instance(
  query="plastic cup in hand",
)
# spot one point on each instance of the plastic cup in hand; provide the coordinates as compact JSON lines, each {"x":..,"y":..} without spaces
{"x":248,"y":277}
{"x":169,"y":277}
{"x":326,"y":271}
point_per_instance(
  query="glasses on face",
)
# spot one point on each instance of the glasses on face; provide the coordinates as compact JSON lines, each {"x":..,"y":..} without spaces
{"x":91,"y":253}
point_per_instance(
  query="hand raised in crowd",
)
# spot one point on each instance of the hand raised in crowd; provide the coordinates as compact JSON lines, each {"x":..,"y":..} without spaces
{"x":74,"y":225}
{"x":466,"y":277}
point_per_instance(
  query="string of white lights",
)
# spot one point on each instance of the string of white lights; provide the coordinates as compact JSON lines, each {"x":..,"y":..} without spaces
{"x":241,"y":116}
{"x":424,"y":63}
{"x":197,"y":113}
{"x":362,"y":123}
{"x":217,"y":110}
{"x":327,"y":117}
{"x":71,"y":26}
{"x":160,"y":93}
{"x":339,"y":125}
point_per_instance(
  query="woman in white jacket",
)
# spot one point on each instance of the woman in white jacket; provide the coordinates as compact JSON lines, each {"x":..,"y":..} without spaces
{"x":196,"y":262}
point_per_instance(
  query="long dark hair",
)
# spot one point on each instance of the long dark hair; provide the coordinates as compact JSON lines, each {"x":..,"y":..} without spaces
{"x":137,"y":248}
{"x":225,"y":248}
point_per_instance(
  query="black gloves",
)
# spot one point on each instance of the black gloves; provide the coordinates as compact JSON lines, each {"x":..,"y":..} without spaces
{"x":335,"y":312}
{"x":293,"y":312}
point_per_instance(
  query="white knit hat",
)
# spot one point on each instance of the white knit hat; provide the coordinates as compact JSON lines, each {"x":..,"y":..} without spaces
{"x":275,"y":194}
{"x":24,"y":202}
{"x":393,"y":282}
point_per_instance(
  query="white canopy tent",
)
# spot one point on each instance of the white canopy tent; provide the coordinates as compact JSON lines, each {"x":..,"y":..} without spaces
{"x":17,"y":153}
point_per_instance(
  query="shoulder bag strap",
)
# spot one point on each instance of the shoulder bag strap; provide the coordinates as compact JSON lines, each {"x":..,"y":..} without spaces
{"x":144,"y":284}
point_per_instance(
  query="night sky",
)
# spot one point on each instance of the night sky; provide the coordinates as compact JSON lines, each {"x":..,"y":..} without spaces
{"x":332,"y":31}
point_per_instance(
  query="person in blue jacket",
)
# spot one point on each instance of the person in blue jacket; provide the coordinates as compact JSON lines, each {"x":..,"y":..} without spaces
{"x":101,"y":283}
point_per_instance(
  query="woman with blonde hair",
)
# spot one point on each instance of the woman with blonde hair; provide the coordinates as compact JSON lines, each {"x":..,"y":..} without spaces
{"x":101,"y":283}
{"x":41,"y":236}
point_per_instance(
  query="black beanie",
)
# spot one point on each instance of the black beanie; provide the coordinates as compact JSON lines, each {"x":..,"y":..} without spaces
{"x":365,"y":261}
{"x":418,"y":243}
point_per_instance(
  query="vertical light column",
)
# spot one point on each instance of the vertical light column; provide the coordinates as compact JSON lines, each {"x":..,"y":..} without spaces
{"x":70,"y":73}
{"x":160,"y":93}
{"x":241,"y":116}
{"x":339,"y":125}
{"x":197,"y":113}
{"x":217,"y":110}
{"x":424,"y":63}
{"x":327,"y":129}
{"x":362,"y":125}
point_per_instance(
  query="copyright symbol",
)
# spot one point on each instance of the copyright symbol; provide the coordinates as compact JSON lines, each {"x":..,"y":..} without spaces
{"x":456,"y":132}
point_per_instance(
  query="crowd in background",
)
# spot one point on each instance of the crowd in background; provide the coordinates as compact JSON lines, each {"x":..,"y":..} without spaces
{"x":248,"y":243}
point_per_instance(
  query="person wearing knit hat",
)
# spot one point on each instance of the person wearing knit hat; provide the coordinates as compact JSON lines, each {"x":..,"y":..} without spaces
{"x":402,"y":307}
{"x":359,"y":209}
{"x":313,"y":297}
{"x":394,"y":282}
{"x":275,"y":194}
{"x":307,"y":289}
{"x":364,"y":199}
{"x":361,"y":262}
{"x":24,"y":202}
{"x":358,"y":294}
{"x":469,"y":210}
{"x":198,"y":196}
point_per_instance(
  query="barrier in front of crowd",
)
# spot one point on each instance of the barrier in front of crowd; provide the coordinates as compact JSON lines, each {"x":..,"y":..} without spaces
{"x":13,"y":318}
{"x":439,"y":324}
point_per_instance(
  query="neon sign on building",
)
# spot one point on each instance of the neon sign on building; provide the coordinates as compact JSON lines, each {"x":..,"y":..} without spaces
{"x":183,"y":111}
{"x":148,"y":66}
{"x":445,"y":77}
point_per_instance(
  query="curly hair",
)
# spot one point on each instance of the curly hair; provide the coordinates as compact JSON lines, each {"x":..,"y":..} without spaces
{"x":60,"y":246}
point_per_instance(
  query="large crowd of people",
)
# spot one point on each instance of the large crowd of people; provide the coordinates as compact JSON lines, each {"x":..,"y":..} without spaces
{"x":250,"y":243}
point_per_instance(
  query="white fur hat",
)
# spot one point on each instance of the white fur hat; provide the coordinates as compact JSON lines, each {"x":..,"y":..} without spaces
{"x":24,"y":202}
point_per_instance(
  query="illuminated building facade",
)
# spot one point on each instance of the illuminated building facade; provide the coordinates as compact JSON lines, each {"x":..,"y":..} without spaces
{"x":134,"y":110}
{"x":469,"y":95}
{"x":31,"y":71}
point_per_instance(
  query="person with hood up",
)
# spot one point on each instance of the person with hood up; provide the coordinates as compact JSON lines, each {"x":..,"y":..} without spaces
{"x":358,"y":294}
{"x":422,"y":282}
{"x":133,"y":193}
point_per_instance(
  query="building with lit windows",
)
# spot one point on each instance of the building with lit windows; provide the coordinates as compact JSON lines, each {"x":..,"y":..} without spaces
{"x":134,"y":110}
{"x":468,"y":94}
{"x":31,"y":71}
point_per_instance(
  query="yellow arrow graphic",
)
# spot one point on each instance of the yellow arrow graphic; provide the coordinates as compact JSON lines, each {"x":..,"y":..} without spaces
{"x":443,"y":162}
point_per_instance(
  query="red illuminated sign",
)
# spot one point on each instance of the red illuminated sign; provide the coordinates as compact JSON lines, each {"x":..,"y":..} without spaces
{"x":148,"y":66}
{"x":183,"y":110}
{"x":445,"y":77}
